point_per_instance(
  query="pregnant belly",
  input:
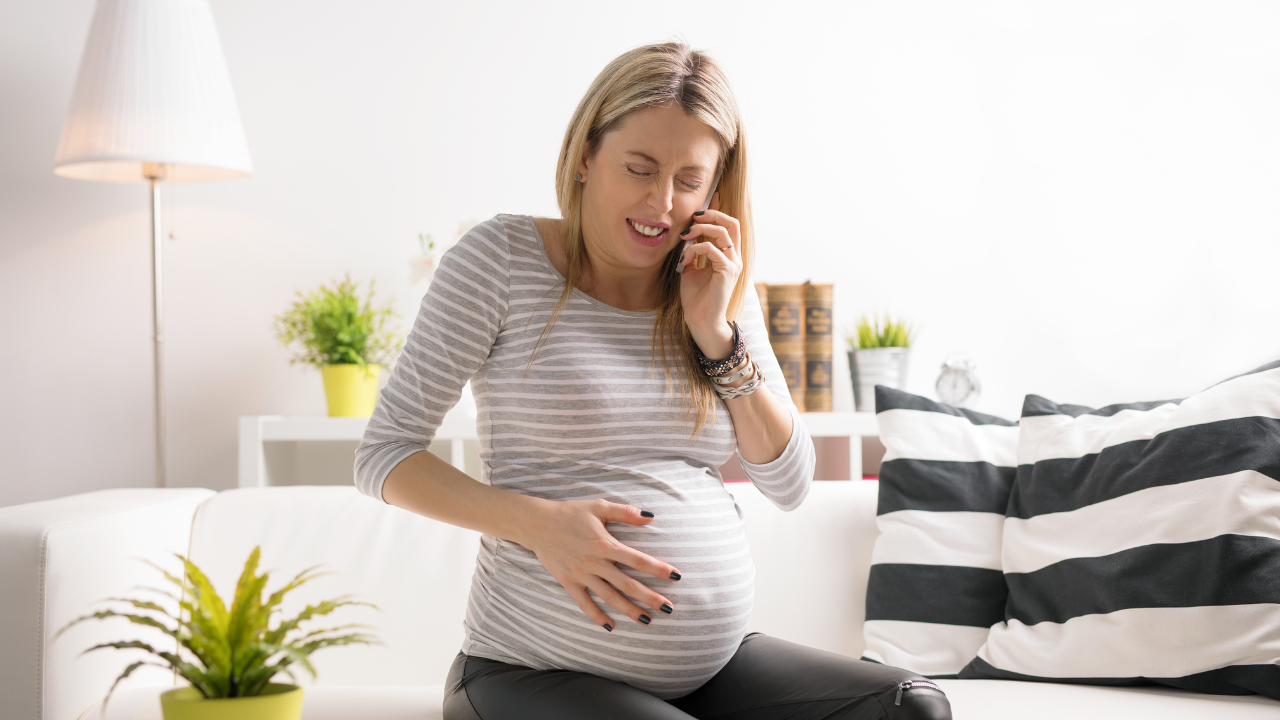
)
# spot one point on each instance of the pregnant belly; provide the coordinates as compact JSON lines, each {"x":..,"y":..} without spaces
{"x":519,"y":614}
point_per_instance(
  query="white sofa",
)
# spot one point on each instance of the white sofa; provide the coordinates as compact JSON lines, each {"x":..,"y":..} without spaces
{"x":60,"y":556}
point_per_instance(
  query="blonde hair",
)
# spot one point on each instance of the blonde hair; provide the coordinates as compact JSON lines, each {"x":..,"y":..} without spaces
{"x":664,"y":74}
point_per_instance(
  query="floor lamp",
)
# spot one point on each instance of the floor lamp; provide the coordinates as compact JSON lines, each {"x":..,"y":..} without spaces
{"x":153,"y":103}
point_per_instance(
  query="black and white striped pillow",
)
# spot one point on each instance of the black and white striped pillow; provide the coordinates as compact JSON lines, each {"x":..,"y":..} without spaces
{"x":936,"y":586}
{"x":1142,"y":543}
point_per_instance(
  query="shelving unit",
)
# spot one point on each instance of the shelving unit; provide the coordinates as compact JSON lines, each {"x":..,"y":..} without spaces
{"x":273,"y":447}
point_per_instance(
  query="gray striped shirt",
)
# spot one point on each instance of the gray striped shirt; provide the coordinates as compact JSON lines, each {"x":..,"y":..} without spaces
{"x":592,"y":417}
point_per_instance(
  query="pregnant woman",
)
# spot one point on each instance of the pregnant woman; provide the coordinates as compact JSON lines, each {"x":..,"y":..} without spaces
{"x":614,"y":374}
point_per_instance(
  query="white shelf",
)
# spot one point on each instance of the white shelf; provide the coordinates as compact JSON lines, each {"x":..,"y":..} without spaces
{"x":459,"y":427}
{"x":257,"y":431}
{"x":284,"y":428}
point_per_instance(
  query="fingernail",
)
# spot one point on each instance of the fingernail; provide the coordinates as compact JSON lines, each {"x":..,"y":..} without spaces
{"x":682,"y":257}
{"x":686,"y":232}
{"x":644,"y":619}
{"x":701,"y":212}
{"x":666,"y":608}
{"x":675,"y":575}
{"x":608,"y":627}
{"x":645,"y":513}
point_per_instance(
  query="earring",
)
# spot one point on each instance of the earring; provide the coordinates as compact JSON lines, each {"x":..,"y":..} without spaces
{"x":579,"y":176}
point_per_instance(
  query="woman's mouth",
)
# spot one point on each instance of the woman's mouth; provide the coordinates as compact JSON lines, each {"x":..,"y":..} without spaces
{"x":646,"y":234}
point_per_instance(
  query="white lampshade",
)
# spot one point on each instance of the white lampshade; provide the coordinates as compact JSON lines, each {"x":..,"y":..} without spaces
{"x":153,"y":88}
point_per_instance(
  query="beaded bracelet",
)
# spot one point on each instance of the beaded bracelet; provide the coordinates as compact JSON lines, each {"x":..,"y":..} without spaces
{"x":745,"y":372}
{"x":716,"y":368}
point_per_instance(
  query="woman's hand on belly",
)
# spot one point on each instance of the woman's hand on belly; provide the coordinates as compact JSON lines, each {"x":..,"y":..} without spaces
{"x":570,"y":539}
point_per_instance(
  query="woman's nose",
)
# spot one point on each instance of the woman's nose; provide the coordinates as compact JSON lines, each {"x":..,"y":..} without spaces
{"x":660,"y":196}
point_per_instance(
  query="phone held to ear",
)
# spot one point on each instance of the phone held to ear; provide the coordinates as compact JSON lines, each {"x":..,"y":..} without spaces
{"x":701,"y":261}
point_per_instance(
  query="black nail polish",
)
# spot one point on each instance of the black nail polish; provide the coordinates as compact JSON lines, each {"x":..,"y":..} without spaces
{"x":644,"y":619}
{"x":608,"y":627}
{"x":675,"y":575}
{"x":645,"y":513}
{"x":686,"y":232}
{"x":701,"y":212}
{"x":666,"y":608}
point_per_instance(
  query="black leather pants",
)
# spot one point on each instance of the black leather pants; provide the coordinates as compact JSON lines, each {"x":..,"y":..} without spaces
{"x":766,"y":679}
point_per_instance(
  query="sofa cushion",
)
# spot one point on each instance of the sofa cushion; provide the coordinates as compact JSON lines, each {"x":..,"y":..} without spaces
{"x":811,"y":563}
{"x":1143,"y":543}
{"x":935,"y":585}
{"x":416,"y":570}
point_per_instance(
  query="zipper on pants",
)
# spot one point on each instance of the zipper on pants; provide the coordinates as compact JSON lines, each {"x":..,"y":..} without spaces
{"x":906,"y":685}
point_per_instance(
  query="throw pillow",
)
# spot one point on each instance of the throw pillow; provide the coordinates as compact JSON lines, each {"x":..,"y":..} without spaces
{"x":936,"y":585}
{"x":1142,"y":543}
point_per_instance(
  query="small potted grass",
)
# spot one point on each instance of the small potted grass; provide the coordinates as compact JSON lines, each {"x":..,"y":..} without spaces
{"x":348,"y":338}
{"x":878,"y":355}
{"x":231,"y":654}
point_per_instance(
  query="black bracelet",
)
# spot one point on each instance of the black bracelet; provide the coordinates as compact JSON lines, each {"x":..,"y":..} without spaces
{"x":716,"y":368}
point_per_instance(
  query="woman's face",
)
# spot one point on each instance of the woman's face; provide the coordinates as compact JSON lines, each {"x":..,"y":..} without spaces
{"x":643,"y":184}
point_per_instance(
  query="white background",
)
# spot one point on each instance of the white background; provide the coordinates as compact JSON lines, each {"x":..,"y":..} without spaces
{"x":1080,"y":195}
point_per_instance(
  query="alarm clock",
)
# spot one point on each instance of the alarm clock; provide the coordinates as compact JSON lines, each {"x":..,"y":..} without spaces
{"x":958,"y":384}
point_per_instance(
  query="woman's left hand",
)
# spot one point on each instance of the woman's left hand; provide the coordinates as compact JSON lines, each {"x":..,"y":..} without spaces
{"x":705,"y":293}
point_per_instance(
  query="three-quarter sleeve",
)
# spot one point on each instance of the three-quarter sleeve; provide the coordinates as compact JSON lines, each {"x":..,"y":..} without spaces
{"x":457,"y":323}
{"x":786,"y":479}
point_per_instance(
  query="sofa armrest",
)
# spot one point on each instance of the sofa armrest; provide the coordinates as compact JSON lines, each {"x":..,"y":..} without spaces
{"x":60,"y":557}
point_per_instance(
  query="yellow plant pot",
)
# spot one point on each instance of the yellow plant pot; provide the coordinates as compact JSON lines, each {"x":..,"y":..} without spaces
{"x":351,"y":390}
{"x":277,"y":702}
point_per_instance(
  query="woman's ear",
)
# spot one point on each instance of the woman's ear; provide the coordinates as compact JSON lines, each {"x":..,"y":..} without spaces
{"x":582,"y":162}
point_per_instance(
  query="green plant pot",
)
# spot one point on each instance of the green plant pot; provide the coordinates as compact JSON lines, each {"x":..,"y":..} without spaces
{"x":277,"y":702}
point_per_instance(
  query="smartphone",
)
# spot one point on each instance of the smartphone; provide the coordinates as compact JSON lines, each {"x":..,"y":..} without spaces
{"x":701,"y":261}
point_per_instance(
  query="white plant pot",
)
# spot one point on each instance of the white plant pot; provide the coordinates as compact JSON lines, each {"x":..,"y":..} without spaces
{"x":877,"y":366}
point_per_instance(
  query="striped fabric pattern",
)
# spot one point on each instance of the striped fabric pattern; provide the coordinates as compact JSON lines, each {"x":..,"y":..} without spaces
{"x":1143,"y":543}
{"x":936,"y":586}
{"x":590,"y":417}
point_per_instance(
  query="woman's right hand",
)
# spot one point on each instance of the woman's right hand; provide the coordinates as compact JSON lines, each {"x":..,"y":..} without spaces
{"x":570,"y":539}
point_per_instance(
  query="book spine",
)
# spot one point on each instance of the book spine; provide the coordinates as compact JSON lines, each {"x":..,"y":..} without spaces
{"x":786,"y":335}
{"x":817,"y":348}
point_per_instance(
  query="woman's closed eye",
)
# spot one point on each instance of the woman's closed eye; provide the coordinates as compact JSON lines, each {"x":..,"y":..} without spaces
{"x":643,"y":173}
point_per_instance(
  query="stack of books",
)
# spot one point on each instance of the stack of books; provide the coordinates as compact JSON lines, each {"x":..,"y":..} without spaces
{"x":799,"y":318}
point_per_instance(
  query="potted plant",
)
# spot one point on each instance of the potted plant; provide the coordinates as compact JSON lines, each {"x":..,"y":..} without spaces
{"x":878,"y":354}
{"x":347,"y":339}
{"x":231,"y":653}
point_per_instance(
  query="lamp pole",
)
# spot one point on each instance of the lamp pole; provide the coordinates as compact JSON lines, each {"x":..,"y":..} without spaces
{"x":154,"y":173}
{"x":153,"y":103}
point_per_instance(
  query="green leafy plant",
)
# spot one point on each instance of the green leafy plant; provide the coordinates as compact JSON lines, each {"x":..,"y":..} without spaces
{"x":333,"y":327}
{"x":233,"y":652}
{"x":871,"y":333}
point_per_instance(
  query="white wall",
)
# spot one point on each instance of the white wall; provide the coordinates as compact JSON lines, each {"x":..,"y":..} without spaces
{"x":1083,"y":196}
